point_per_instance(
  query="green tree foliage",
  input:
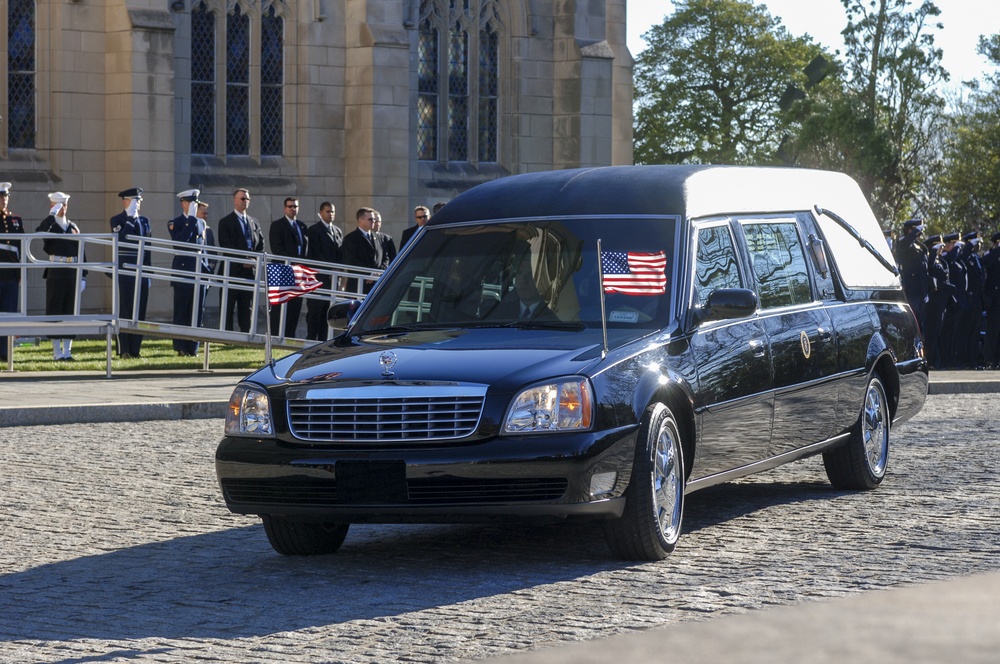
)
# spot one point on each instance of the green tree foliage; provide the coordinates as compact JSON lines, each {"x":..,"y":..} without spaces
{"x":709,"y":82}
{"x":969,"y":180}
{"x":879,"y":127}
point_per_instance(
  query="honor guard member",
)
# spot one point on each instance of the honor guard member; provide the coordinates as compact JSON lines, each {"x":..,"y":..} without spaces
{"x":188,"y":305}
{"x":937,"y":301}
{"x":991,"y":300}
{"x":325,"y":239}
{"x":61,"y":288}
{"x":10,"y":252}
{"x":238,"y":230}
{"x":970,"y":320}
{"x":957,"y":304}
{"x":129,"y":225}
{"x":912,"y":257}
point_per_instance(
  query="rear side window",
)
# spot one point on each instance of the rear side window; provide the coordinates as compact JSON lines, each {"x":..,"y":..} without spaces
{"x":778,"y":261}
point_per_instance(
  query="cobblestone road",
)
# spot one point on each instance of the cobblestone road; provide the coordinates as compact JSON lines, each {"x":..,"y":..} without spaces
{"x":115,"y":546}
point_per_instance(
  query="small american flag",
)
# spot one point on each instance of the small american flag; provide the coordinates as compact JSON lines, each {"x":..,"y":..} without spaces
{"x":632,"y":273}
{"x":287,"y":282}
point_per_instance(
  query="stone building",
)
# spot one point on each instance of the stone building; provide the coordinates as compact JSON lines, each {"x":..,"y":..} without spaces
{"x":382,"y":103}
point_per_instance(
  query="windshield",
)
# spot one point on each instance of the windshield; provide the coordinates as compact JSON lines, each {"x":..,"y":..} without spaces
{"x":540,"y":273}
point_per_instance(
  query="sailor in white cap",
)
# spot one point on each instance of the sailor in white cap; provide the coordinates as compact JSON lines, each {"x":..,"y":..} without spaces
{"x":10,"y":252}
{"x":61,"y":289}
{"x":190,"y":229}
{"x":130,"y":226}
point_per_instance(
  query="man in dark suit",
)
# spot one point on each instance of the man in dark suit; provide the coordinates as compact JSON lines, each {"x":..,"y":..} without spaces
{"x":190,"y":229}
{"x":420,"y":215}
{"x":238,"y":230}
{"x":325,"y":240}
{"x":388,"y":244}
{"x":287,"y":237}
{"x":524,"y":302}
{"x":363,"y":248}
{"x":130,"y":225}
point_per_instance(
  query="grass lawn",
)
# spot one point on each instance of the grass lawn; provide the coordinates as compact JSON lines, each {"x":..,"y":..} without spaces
{"x":31,"y":354}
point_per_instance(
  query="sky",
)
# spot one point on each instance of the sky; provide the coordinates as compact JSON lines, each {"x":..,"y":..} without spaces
{"x":964,"y":21}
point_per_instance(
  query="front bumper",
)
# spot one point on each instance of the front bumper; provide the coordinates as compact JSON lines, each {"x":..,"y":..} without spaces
{"x":536,"y":476}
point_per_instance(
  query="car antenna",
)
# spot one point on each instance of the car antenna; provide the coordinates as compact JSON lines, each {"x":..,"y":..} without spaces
{"x":600,"y":281}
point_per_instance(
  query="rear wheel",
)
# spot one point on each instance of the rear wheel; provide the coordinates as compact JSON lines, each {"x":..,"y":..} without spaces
{"x":303,"y":538}
{"x":861,"y":463}
{"x":654,"y":501}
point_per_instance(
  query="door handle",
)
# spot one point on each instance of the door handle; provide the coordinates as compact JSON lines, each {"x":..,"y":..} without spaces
{"x":758,"y":348}
{"x":824,"y":334}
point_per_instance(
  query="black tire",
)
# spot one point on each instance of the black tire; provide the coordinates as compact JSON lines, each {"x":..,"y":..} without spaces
{"x":303,"y":538}
{"x":862,"y":462}
{"x":650,"y":525}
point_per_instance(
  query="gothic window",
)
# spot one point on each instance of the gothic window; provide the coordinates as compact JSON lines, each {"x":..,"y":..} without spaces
{"x":458,"y":73}
{"x":21,"y":74}
{"x":253,"y":78}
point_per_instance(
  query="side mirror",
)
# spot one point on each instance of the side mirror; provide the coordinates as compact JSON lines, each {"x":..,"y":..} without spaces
{"x":341,"y":313}
{"x":726,"y":303}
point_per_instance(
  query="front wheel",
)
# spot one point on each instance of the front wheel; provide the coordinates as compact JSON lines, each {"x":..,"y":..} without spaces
{"x":650,"y":524}
{"x":303,"y":538}
{"x":861,"y":463}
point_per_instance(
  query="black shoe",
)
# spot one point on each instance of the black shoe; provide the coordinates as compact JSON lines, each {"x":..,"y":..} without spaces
{"x":69,"y":358}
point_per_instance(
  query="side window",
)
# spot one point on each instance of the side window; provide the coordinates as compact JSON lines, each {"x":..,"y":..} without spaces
{"x":778,"y":260}
{"x":715,"y":264}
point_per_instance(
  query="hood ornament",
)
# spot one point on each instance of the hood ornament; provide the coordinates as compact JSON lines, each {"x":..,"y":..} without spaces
{"x":388,"y":360}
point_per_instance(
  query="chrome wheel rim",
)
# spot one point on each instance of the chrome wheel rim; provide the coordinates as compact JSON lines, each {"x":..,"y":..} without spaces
{"x":667,"y":485}
{"x":875,"y":428}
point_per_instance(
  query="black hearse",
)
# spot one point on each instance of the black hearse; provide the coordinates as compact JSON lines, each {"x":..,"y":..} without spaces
{"x":589,"y":343}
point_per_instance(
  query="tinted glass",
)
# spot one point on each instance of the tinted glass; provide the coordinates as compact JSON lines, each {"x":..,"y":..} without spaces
{"x":484,"y":274}
{"x":716,"y":265}
{"x":779,"y":264}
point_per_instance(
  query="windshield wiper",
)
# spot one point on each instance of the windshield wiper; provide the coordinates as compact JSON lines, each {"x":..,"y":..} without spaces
{"x":546,"y":325}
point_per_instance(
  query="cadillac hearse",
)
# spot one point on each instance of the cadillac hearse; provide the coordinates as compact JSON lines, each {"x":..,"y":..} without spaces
{"x":593,"y":343}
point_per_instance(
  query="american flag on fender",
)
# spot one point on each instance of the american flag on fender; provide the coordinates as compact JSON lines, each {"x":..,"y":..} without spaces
{"x":287,"y":282}
{"x":632,"y":273}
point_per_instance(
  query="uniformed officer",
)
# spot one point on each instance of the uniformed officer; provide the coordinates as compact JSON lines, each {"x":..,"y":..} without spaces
{"x":10,"y":252}
{"x":970,"y":319}
{"x":912,"y":257}
{"x":190,"y":229}
{"x":957,"y":304}
{"x":939,"y":295}
{"x":61,"y":282}
{"x":130,"y":225}
{"x":991,"y":300}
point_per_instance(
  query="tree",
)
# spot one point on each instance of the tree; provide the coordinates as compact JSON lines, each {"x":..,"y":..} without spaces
{"x":969,"y":180}
{"x":882,"y":131}
{"x":709,"y":82}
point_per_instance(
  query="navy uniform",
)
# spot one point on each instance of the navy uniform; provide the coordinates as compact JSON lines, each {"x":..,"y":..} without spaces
{"x":61,"y":282}
{"x":957,"y":304}
{"x":10,"y":252}
{"x":187,"y":227}
{"x":913,"y":260}
{"x":991,"y":300}
{"x":325,"y":240}
{"x":129,"y":225}
{"x":970,"y":319}
{"x":937,"y":302}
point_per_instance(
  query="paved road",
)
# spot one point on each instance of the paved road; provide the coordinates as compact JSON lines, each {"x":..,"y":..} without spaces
{"x":115,"y":546}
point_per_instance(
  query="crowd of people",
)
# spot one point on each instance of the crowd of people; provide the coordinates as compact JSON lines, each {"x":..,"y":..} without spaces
{"x":953,"y":287}
{"x":366,"y":246}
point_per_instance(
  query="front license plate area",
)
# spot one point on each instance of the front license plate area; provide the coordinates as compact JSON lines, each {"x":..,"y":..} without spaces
{"x":371,"y":482}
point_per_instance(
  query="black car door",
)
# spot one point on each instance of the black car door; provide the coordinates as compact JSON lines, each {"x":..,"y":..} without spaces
{"x":733,"y":399}
{"x":800,"y":333}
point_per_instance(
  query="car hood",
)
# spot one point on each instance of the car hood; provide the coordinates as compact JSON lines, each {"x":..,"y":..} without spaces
{"x":487,"y":356}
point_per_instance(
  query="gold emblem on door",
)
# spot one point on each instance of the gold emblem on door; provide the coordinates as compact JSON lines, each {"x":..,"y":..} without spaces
{"x":806,"y":346}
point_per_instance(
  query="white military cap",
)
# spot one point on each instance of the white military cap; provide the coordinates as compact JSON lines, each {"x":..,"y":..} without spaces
{"x":5,"y":187}
{"x":58,"y":197}
{"x":189,"y":195}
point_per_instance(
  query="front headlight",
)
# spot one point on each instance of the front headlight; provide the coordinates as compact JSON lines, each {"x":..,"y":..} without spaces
{"x":562,"y":406}
{"x":249,"y":412}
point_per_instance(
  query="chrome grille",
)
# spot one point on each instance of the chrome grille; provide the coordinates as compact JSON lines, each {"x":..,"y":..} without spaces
{"x":380,"y":415}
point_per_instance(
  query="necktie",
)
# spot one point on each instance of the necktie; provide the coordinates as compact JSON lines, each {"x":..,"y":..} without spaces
{"x":246,"y":231}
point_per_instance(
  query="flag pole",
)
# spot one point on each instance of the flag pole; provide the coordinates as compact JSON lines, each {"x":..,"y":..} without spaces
{"x":268,"y":356}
